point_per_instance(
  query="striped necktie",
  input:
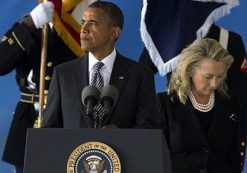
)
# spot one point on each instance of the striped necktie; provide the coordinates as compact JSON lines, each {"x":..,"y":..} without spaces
{"x":97,"y":81}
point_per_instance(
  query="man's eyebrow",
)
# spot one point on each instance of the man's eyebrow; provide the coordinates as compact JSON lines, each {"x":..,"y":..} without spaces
{"x":90,"y":20}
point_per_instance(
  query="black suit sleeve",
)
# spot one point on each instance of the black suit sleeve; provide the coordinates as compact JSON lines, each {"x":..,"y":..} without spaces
{"x":145,"y":105}
{"x":162,"y":123}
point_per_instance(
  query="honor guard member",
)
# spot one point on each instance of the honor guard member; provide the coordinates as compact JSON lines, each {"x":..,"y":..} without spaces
{"x":20,"y":50}
{"x":237,"y":75}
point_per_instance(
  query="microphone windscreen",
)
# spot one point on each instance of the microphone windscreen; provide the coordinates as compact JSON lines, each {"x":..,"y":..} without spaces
{"x":90,"y":93}
{"x":109,"y":93}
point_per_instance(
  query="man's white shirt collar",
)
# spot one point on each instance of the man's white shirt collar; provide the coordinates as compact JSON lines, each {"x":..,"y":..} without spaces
{"x":108,"y":61}
{"x":106,"y":70}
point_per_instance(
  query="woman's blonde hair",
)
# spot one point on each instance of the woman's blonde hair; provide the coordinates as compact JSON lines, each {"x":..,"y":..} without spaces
{"x":189,"y":61}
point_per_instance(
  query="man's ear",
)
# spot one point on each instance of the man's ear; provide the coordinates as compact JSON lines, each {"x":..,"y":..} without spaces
{"x":116,"y":32}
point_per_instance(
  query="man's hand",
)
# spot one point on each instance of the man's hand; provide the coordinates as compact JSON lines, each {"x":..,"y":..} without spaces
{"x":42,"y":14}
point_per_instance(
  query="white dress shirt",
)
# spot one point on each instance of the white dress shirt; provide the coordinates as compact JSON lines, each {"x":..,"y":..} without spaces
{"x":106,"y":70}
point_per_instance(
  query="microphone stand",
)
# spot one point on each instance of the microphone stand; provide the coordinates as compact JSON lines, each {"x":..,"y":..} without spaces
{"x":90,"y":115}
{"x":98,"y":120}
{"x":95,"y":123}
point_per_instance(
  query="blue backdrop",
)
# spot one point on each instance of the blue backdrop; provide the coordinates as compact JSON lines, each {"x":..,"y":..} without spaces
{"x":129,"y":44}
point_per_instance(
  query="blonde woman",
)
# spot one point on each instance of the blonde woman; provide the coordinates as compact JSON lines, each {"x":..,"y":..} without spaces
{"x":200,"y":118}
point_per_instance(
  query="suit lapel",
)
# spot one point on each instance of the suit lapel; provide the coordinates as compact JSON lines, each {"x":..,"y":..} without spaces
{"x":81,"y":75}
{"x":222,"y":121}
{"x":119,"y":77}
{"x":82,"y":80}
{"x":119,"y":74}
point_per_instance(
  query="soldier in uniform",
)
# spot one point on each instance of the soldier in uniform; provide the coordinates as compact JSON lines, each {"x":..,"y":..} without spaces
{"x":20,"y":50}
{"x":237,"y":74}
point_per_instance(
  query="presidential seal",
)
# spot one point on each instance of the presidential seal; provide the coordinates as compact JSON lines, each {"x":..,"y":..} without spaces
{"x":93,"y":157}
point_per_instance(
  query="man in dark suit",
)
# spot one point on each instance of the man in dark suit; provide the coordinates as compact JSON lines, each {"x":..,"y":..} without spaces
{"x":102,"y":23}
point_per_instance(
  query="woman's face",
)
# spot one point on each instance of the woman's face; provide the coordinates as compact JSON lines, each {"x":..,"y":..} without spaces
{"x":207,"y":78}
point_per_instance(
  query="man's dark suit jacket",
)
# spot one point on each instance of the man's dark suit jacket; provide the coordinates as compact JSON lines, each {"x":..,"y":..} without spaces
{"x":193,"y":151}
{"x":135,"y":106}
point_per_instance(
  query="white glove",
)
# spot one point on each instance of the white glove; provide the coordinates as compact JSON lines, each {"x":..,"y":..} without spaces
{"x":42,"y":14}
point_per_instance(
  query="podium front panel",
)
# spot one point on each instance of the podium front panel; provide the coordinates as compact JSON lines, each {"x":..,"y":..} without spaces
{"x":139,"y":150}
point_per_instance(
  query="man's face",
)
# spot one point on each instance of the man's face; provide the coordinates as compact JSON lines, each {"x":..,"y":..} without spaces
{"x":97,"y":35}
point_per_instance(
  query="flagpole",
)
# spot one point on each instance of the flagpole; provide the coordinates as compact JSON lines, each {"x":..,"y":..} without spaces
{"x":42,"y":73}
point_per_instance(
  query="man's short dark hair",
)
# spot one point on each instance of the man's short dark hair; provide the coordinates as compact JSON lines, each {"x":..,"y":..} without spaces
{"x":112,"y":10}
